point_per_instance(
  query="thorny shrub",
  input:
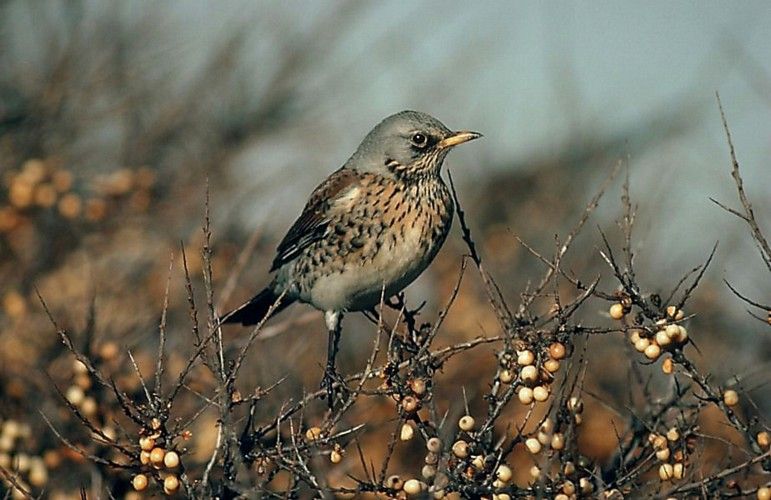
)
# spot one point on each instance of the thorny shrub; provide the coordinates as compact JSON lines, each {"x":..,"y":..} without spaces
{"x":521,"y":436}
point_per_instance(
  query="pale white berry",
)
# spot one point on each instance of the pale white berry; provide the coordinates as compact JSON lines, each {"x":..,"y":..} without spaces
{"x":407,"y":432}
{"x":666,"y":472}
{"x":466,"y":423}
{"x":540,"y":393}
{"x":653,"y":352}
{"x":532,"y":445}
{"x":616,"y":311}
{"x":525,"y":357}
{"x":525,"y":395}
{"x":504,"y":473}
{"x":731,"y":397}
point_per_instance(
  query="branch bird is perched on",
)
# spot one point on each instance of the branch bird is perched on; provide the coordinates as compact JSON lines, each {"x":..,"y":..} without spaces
{"x":372,"y":226}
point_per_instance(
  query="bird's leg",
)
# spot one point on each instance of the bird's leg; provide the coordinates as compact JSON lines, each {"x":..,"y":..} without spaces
{"x":333,"y":320}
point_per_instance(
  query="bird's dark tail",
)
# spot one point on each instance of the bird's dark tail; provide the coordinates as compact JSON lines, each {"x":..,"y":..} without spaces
{"x":256,"y":309}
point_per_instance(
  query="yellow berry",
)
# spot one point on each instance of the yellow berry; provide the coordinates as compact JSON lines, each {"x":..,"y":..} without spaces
{"x":663,"y":454}
{"x":75,"y":395}
{"x":407,"y":432}
{"x":139,"y":482}
{"x":532,"y":445}
{"x":662,"y":337}
{"x":678,"y":470}
{"x":653,"y":352}
{"x":410,"y":404}
{"x":466,"y":423}
{"x":730,"y":397}
{"x":668,"y":366}
{"x":666,"y":472}
{"x":413,"y":487}
{"x":394,"y":482}
{"x":171,"y":459}
{"x":673,"y":434}
{"x":313,"y":433}
{"x":144,"y":457}
{"x":146,"y":443}
{"x":506,"y":376}
{"x":525,"y":358}
{"x":418,"y":386}
{"x":157,"y":455}
{"x":529,"y":373}
{"x":616,"y":311}
{"x":504,"y":473}
{"x":335,"y":457}
{"x":525,"y":395}
{"x":89,"y":407}
{"x":642,"y":344}
{"x":434,"y":445}
{"x":568,"y":487}
{"x":170,"y":484}
{"x":460,"y":449}
{"x":558,"y":441}
{"x":764,"y":439}
{"x":541,"y":393}
{"x":557,"y":351}
{"x":675,"y":313}
{"x":551,"y":365}
{"x":764,"y":493}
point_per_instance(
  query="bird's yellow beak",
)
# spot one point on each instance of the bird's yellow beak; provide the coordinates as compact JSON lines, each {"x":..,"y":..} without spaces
{"x":458,"y":138}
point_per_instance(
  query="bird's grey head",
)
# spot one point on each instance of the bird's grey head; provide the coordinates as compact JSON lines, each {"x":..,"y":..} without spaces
{"x":408,"y":144}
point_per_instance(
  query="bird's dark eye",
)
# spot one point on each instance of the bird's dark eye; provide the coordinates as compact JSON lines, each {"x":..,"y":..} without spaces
{"x":419,"y":140}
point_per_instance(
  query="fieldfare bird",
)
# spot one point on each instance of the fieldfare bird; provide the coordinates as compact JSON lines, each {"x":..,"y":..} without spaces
{"x":368,"y":230}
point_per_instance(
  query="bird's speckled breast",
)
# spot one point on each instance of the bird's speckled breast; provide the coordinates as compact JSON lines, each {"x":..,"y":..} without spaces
{"x":381,"y":234}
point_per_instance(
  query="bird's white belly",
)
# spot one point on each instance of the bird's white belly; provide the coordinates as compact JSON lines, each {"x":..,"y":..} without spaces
{"x":360,"y":284}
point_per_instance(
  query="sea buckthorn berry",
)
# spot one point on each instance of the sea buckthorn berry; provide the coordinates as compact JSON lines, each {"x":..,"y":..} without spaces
{"x":551,"y":365}
{"x":413,"y":487}
{"x":434,"y":445}
{"x":678,"y":470}
{"x":540,"y":393}
{"x":418,"y":386}
{"x":557,"y":351}
{"x":170,"y":484}
{"x":666,"y":472}
{"x":558,"y":441}
{"x":764,"y":439}
{"x":394,"y":482}
{"x":139,"y":482}
{"x":616,"y":311}
{"x":525,"y":358}
{"x":529,"y":373}
{"x":532,"y":445}
{"x":653,"y":352}
{"x":764,"y":493}
{"x":642,"y":344}
{"x":335,"y":457}
{"x":731,"y":397}
{"x":460,"y":449}
{"x":525,"y":395}
{"x":313,"y":433}
{"x":157,"y":455}
{"x":146,"y":443}
{"x":410,"y":404}
{"x":407,"y":432}
{"x":506,"y":376}
{"x":171,"y":459}
{"x":668,"y":366}
{"x":663,"y":454}
{"x":673,"y":434}
{"x":504,"y":473}
{"x":466,"y":423}
{"x":675,"y":313}
{"x":662,"y":338}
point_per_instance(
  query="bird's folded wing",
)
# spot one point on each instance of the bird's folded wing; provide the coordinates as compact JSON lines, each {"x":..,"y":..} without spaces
{"x":312,"y":223}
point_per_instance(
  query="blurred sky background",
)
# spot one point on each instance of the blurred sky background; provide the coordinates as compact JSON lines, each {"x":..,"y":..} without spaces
{"x":534,"y":77}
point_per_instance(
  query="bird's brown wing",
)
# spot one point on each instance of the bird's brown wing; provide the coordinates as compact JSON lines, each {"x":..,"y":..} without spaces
{"x":312,"y":223}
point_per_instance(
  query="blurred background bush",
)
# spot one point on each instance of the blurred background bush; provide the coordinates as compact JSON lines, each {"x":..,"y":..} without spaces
{"x":115,"y":115}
